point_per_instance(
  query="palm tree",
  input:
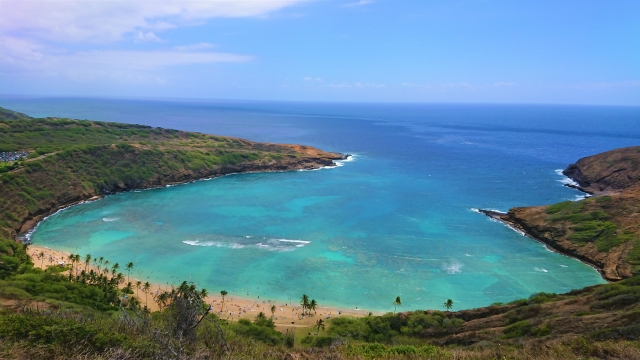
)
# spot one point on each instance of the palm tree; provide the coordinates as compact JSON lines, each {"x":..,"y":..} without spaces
{"x":76,"y":258}
{"x":146,"y":287}
{"x":71,"y":259}
{"x":320,"y":324}
{"x":87,"y":261}
{"x":261,"y":316}
{"x":204,"y":293}
{"x":223,"y":293}
{"x":129,"y":267}
{"x":115,"y":267}
{"x":304,"y":302}
{"x":397,"y":303}
{"x":273,"y":310}
{"x":41,"y":257}
{"x":313,"y":305}
{"x":448,"y":304}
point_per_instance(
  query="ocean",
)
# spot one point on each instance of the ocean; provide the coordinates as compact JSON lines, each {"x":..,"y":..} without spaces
{"x":396,"y":219}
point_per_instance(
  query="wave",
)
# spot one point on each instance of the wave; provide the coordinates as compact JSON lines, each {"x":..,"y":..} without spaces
{"x":566,"y":180}
{"x":541,"y":270}
{"x":349,"y":158}
{"x":26,"y":237}
{"x":107,"y":219}
{"x":453,"y":267}
{"x":336,"y":163}
{"x":300,"y":243}
{"x":241,"y":242}
{"x":564,"y":266}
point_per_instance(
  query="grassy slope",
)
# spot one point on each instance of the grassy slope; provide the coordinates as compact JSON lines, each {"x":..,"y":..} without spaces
{"x":75,"y":160}
{"x":603,"y":230}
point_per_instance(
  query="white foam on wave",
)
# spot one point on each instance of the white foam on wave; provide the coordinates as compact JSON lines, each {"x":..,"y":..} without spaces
{"x":203,"y":243}
{"x":336,"y":163}
{"x":26,"y":237}
{"x":299,"y":243}
{"x":108,"y":219}
{"x":565,"y":180}
{"x":452,"y":267}
{"x":349,"y":158}
{"x":564,"y":266}
{"x":280,"y":245}
{"x":540,"y":270}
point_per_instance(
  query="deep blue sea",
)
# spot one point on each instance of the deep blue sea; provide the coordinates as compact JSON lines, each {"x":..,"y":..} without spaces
{"x":396,"y":220}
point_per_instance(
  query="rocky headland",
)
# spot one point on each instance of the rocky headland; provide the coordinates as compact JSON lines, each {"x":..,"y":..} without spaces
{"x":602,"y":230}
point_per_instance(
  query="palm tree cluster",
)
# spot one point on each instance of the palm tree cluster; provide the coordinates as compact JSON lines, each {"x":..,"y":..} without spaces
{"x":104,"y":277}
{"x":308,"y":304}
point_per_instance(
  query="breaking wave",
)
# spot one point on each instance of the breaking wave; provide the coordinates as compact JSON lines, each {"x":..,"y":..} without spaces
{"x":452,"y":267}
{"x":241,"y":242}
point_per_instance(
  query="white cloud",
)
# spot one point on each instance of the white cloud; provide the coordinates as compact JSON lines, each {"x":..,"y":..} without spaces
{"x":607,"y":85}
{"x":309,"y":78}
{"x":111,"y":20}
{"x":194,"y":47}
{"x":356,"y":85}
{"x":459,"y":85}
{"x":358,"y":3}
{"x":148,"y":36}
{"x":20,"y":56}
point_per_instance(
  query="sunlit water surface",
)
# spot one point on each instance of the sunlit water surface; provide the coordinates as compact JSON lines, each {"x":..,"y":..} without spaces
{"x":396,"y":220}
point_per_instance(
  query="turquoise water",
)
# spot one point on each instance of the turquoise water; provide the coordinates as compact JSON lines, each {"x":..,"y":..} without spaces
{"x":397,"y":220}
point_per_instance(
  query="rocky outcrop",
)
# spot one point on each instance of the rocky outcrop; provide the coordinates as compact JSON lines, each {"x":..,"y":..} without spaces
{"x":607,"y":173}
{"x":609,"y":222}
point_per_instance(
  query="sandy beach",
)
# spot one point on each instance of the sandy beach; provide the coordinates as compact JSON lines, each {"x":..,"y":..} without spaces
{"x":287,"y":315}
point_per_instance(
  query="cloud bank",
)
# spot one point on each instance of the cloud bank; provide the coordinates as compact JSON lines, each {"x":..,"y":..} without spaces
{"x":70,"y":37}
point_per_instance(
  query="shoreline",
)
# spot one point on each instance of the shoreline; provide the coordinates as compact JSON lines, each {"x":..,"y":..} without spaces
{"x":498,"y":216}
{"x":27,"y":227}
{"x":235,"y":307}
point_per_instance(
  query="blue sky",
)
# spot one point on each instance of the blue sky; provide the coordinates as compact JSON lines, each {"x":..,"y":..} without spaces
{"x":580,"y":52}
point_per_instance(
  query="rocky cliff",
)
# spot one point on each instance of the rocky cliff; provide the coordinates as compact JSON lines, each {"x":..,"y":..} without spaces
{"x":603,"y":230}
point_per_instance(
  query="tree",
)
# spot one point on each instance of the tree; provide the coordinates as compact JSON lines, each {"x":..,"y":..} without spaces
{"x":71,"y":259}
{"x":320,"y":324}
{"x":178,"y":333}
{"x":313,"y":305}
{"x":41,"y":257}
{"x":304,"y":302}
{"x":87,"y":261}
{"x":273,"y":310}
{"x":397,"y":303}
{"x":223,"y":293}
{"x":448,"y":304}
{"x":146,"y":287}
{"x":129,"y":267}
{"x":76,"y":259}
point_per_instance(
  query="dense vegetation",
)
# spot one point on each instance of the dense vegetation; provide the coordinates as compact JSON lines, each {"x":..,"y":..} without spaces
{"x":73,"y":160}
{"x":604,"y":221}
